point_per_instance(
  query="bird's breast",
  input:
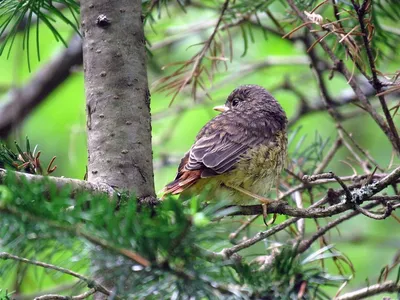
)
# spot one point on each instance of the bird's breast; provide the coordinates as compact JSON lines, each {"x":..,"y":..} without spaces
{"x":258,"y":170}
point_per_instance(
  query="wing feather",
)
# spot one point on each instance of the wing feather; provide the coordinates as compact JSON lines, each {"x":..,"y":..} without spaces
{"x":218,"y":151}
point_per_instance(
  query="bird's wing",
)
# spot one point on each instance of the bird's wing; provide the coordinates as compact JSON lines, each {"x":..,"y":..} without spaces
{"x":218,"y":152}
{"x":219,"y":145}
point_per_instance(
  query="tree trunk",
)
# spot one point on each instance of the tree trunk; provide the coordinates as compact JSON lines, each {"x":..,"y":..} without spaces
{"x":117,"y":95}
{"x":117,"y":99}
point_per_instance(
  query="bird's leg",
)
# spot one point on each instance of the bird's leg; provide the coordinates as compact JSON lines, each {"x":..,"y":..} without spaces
{"x":278,"y":194}
{"x":264,"y":202}
{"x":265,"y":213}
{"x":272,"y":221}
{"x":248,"y":193}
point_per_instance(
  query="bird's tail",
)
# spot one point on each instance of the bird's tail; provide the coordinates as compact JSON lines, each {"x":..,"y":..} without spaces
{"x":181,"y":183}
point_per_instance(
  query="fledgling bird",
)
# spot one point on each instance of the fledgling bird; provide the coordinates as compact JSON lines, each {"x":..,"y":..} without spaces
{"x":239,"y":155}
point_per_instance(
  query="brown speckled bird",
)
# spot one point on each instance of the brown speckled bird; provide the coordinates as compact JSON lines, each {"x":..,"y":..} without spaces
{"x":238,"y":155}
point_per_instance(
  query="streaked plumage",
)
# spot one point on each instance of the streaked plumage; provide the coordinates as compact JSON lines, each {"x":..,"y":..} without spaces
{"x":244,"y":146}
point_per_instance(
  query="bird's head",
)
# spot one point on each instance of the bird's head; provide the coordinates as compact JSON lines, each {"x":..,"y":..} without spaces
{"x":247,"y":96}
{"x":253,"y":101}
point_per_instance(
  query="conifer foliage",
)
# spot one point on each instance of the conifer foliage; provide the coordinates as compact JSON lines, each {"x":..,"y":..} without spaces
{"x":106,"y":242}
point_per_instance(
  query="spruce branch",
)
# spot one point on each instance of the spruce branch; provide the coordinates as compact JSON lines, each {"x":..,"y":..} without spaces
{"x":78,"y":232}
{"x":21,"y":16}
{"x":192,"y":69}
{"x":76,"y":185}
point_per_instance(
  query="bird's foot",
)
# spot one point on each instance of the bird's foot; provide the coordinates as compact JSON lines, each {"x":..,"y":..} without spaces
{"x":265,"y":215}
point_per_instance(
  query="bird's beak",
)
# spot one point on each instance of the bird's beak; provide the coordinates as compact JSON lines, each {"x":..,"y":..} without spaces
{"x":221,"y":108}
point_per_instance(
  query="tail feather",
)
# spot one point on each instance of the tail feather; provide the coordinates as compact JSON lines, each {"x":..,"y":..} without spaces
{"x":181,"y":183}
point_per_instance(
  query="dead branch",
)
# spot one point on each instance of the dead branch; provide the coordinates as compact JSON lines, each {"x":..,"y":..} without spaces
{"x":358,"y":196}
{"x":305,"y":244}
{"x":90,"y":282}
{"x":341,"y":68}
{"x":59,"y":297}
{"x":385,"y":287}
{"x":22,"y":101}
{"x":361,"y":12}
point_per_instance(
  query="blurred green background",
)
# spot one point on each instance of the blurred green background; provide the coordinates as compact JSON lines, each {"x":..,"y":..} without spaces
{"x":58,"y":124}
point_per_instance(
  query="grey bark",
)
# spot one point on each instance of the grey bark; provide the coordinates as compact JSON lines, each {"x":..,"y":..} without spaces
{"x":117,"y":95}
{"x":76,"y":186}
{"x":117,"y":99}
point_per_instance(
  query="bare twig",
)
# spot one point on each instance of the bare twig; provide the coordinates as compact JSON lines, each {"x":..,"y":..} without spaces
{"x":90,"y":282}
{"x":305,"y":244}
{"x":349,"y":76}
{"x":59,"y":297}
{"x":55,"y":290}
{"x":245,"y":224}
{"x":361,"y":12}
{"x":384,"y":215}
{"x":228,"y":252}
{"x":385,"y":287}
{"x":358,"y":196}
{"x":359,"y":148}
{"x":328,"y":157}
{"x":343,"y":185}
{"x":335,"y":115}
{"x":281,"y":207}
{"x":195,"y":63}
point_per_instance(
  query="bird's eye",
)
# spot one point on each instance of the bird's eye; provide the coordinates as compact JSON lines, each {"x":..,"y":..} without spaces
{"x":235,"y":102}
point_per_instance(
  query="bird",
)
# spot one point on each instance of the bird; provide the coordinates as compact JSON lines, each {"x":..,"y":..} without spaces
{"x":238,"y":155}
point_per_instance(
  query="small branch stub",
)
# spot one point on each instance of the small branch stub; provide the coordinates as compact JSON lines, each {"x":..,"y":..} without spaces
{"x":103,"y":21}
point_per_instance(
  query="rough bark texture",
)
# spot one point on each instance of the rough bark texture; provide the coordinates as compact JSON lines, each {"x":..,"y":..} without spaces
{"x":117,"y":95}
